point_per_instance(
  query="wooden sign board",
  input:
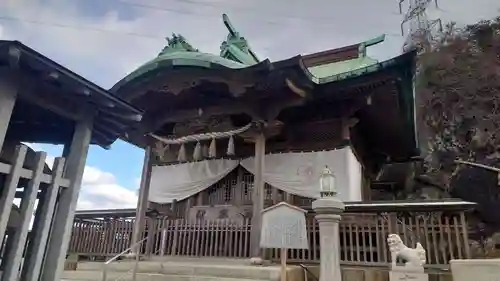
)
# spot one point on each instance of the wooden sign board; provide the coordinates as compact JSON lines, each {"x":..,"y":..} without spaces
{"x":284,"y":227}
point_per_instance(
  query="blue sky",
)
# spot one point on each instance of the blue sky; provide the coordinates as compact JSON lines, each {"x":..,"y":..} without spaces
{"x":103,"y":40}
{"x":123,"y":160}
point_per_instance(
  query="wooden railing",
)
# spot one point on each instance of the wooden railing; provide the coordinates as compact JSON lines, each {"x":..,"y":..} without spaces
{"x":105,"y":238}
{"x":24,"y":175}
{"x":222,"y":238}
{"x":362,"y":237}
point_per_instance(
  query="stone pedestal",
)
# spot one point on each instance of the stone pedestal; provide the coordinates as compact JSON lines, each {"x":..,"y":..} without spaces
{"x":475,"y":270}
{"x":328,"y":213}
{"x":408,"y":273}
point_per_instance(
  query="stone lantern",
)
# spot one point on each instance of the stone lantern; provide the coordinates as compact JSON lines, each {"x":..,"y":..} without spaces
{"x":328,"y":210}
{"x":327,"y":183}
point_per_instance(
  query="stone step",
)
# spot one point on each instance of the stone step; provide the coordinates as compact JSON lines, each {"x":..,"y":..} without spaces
{"x":85,"y":275}
{"x":207,"y":260}
{"x":205,"y":268}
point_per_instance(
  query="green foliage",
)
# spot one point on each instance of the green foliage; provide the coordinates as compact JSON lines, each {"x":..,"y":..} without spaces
{"x":458,"y":95}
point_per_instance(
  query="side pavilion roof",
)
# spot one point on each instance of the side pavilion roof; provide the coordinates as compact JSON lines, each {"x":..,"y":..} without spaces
{"x":65,"y":94}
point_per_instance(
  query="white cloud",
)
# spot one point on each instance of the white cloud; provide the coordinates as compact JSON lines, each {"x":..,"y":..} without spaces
{"x":100,"y":189}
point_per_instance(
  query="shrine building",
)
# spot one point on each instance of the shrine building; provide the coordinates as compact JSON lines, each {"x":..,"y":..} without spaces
{"x":227,"y":135}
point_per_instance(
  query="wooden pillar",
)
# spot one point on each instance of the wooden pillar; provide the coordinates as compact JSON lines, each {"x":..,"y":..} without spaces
{"x":152,"y":230}
{"x":366,"y":191}
{"x":8,"y":191}
{"x":14,"y":256}
{"x":465,"y":234}
{"x":258,"y":196}
{"x":60,"y":235}
{"x":142,"y":203}
{"x":199,"y":199}
{"x":238,"y":194}
{"x":8,"y":95}
{"x":275,"y":195}
{"x":41,"y":225}
{"x":173,"y":208}
{"x":187,"y":207}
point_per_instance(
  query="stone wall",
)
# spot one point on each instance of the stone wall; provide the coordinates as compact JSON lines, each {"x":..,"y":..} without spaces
{"x":373,"y":274}
{"x":476,"y":269}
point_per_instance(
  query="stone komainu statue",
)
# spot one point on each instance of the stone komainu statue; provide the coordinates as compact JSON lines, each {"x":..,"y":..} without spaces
{"x":413,"y":257}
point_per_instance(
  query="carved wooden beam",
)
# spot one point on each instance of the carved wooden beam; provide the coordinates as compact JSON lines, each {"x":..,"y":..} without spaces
{"x":270,"y":129}
{"x":268,"y":111}
{"x":294,"y":88}
{"x":272,"y":110}
{"x":14,"y":56}
{"x":138,"y":139}
{"x":122,"y":116}
{"x":276,"y":147}
{"x":347,"y":124}
{"x":42,"y":95}
{"x":183,"y":115}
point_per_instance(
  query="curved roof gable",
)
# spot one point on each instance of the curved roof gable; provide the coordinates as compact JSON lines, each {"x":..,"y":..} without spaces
{"x":180,"y":58}
{"x":236,"y":54}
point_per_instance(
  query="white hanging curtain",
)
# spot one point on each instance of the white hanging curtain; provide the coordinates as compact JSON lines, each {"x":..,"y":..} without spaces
{"x":184,"y":180}
{"x":299,"y":173}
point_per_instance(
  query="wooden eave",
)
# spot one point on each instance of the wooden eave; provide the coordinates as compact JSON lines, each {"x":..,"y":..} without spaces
{"x":253,"y":82}
{"x":352,"y":86}
{"x":331,"y":56}
{"x":170,"y":76}
{"x":67,"y":94}
{"x":340,"y":54}
{"x":110,"y":214}
{"x":389,"y":83}
{"x":450,"y":205}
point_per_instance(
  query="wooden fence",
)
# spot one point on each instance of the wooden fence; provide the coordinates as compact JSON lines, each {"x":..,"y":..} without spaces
{"x":362,"y":237}
{"x":24,"y":175}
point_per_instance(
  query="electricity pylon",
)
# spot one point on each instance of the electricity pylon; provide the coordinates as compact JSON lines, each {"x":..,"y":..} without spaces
{"x":420,"y":28}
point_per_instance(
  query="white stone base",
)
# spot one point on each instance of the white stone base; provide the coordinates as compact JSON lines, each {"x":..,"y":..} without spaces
{"x":256,"y":261}
{"x":475,"y":270}
{"x":406,"y":273}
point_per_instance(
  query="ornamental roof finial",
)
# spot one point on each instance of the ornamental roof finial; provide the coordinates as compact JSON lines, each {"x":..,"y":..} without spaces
{"x":236,"y":47}
{"x":177,"y":43}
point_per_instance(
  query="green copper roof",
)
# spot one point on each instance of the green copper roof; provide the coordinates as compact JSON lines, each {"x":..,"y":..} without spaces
{"x":357,"y":72}
{"x":347,"y":66}
{"x":236,"y":54}
{"x":179,"y":52}
{"x":182,"y":58}
{"x":325,"y":70}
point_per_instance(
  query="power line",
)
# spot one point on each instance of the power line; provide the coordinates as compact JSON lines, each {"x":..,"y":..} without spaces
{"x":247,"y":10}
{"x":60,"y":25}
{"x":315,"y":21}
{"x":90,"y":28}
{"x":156,"y":8}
